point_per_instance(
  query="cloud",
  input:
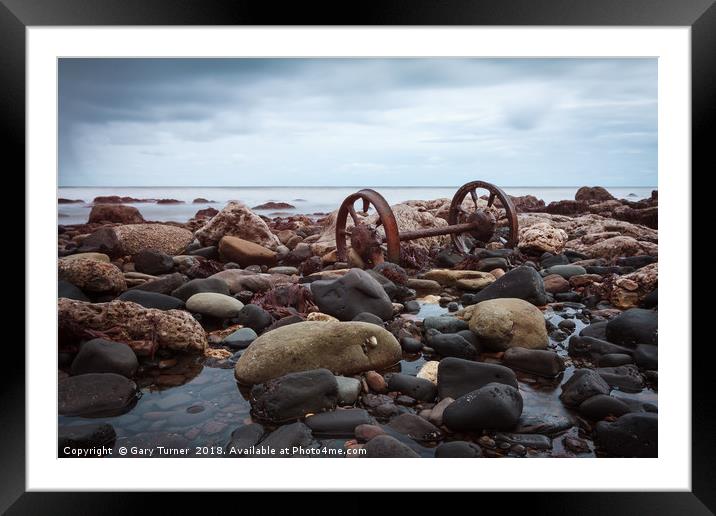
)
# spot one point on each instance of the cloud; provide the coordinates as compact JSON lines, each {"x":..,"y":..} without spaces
{"x":404,"y":121}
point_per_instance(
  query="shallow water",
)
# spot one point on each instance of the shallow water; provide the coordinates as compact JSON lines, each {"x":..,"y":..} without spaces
{"x":307,"y":200}
{"x":203,"y":404}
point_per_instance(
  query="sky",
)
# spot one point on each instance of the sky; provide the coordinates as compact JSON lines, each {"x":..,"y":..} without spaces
{"x":357,"y":122}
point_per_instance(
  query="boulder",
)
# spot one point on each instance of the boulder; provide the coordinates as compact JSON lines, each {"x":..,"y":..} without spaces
{"x":201,"y":285}
{"x":243,"y":438}
{"x":240,"y":339}
{"x":163,"y":285}
{"x":245,"y":253}
{"x":294,"y":395}
{"x":239,"y":280}
{"x":347,"y":296}
{"x":616,"y":246}
{"x":634,"y":326}
{"x":168,"y":239}
{"x":495,"y":406}
{"x":542,"y":237}
{"x":213,"y":304}
{"x":601,"y":406}
{"x":338,"y":423}
{"x":115,"y":213}
{"x":68,"y":290}
{"x":92,"y":275}
{"x":415,"y":427}
{"x":554,"y":284}
{"x":444,"y":324}
{"x":521,"y":282}
{"x":417,"y":388}
{"x":95,"y":395}
{"x":105,"y":356}
{"x":142,"y":328}
{"x":537,"y":361}
{"x":385,"y":446}
{"x":287,"y":437}
{"x":344,"y":347}
{"x":452,"y":345}
{"x":254,"y":317}
{"x":151,"y":261}
{"x":237,"y":220}
{"x":456,"y":377}
{"x":100,"y":257}
{"x":631,"y":290}
{"x":582,"y":385}
{"x":504,"y":323}
{"x":566,"y":271}
{"x":593,"y":193}
{"x":152,"y":299}
{"x":631,"y":435}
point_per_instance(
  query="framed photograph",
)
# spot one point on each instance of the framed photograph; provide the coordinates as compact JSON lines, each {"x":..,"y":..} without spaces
{"x":431,"y":232}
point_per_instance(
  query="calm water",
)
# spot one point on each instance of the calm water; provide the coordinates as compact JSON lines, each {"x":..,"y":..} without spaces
{"x":196,"y":404}
{"x":306,"y":200}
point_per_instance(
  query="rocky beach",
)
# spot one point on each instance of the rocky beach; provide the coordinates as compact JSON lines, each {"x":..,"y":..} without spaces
{"x":244,"y":332}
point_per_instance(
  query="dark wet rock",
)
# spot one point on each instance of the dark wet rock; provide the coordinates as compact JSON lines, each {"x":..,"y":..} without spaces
{"x":522,"y":282}
{"x":70,"y":291}
{"x":457,"y":377}
{"x":211,"y":252}
{"x":287,"y":437}
{"x":254,"y":317}
{"x":602,"y":405}
{"x":473,"y":339}
{"x":570,"y":297}
{"x":548,"y":260}
{"x":597,"y":329}
{"x":445,"y":324}
{"x":646,"y":356}
{"x":338,"y":423}
{"x":651,"y":300}
{"x":634,"y":326}
{"x":556,"y":284}
{"x":632,"y":435}
{"x":537,"y":361}
{"x":369,"y":318}
{"x":152,"y":299}
{"x":294,"y":395}
{"x":582,"y":385}
{"x":418,"y":388}
{"x":349,"y":389}
{"x":411,"y":307}
{"x":535,"y":441}
{"x":567,"y":325}
{"x":590,"y":346}
{"x":494,"y":406}
{"x":625,"y":378}
{"x":490,"y":264}
{"x":84,"y":437}
{"x":197,"y":286}
{"x":385,"y":446}
{"x":547,"y":424}
{"x":243,"y":438}
{"x":448,"y":258}
{"x":566,"y":271}
{"x":452,"y":345}
{"x":163,"y":285}
{"x":365,"y":433}
{"x":411,"y":345}
{"x":458,"y":449}
{"x":351,"y":294}
{"x":104,"y":240}
{"x":415,"y":427}
{"x":105,"y":356}
{"x":151,"y":261}
{"x":240,"y":339}
{"x":96,"y":395}
{"x":615,"y":359}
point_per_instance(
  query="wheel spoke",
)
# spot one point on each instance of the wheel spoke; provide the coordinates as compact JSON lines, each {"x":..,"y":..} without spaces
{"x":491,"y":199}
{"x":353,"y":214}
{"x":473,"y":194}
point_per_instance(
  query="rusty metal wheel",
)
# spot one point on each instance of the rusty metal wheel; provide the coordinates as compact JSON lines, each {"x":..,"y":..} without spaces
{"x":365,"y":238}
{"x":484,"y":220}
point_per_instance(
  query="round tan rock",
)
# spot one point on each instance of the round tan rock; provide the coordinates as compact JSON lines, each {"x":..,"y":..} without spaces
{"x":542,"y":237}
{"x":245,"y":253}
{"x":508,"y":322}
{"x":346,"y":348}
{"x":98,"y":257}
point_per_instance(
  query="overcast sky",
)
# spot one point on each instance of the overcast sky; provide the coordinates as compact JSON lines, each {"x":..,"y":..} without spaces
{"x":357,"y":122}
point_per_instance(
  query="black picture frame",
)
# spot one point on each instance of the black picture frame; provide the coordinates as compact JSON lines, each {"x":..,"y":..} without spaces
{"x":700,"y":15}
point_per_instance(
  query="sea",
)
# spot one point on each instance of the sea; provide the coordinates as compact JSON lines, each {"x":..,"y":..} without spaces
{"x":305,"y":199}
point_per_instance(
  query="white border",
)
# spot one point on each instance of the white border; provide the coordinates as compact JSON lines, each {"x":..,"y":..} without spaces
{"x":671,"y":471}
